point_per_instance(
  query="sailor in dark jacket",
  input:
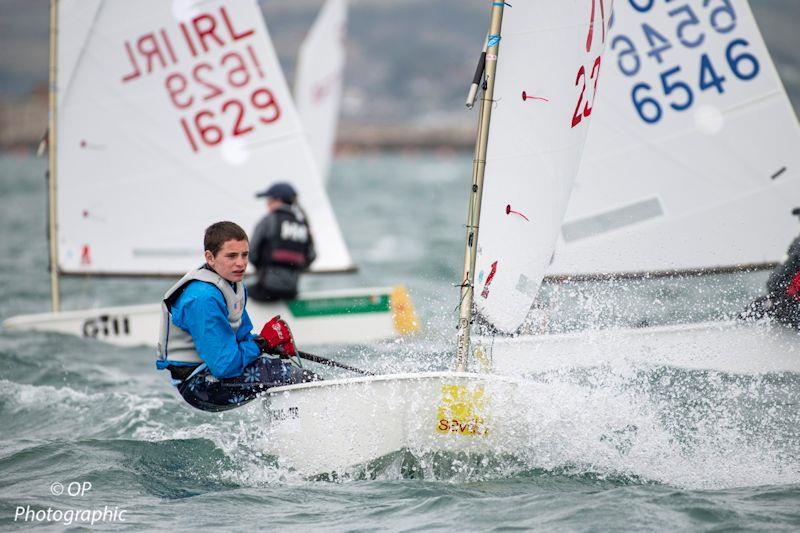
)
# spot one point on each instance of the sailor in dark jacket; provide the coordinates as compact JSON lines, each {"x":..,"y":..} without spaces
{"x":281,"y":246}
{"x":782,"y":301}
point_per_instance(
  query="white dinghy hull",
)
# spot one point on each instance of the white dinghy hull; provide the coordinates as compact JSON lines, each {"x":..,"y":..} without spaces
{"x":352,"y":316}
{"x":732,"y":346}
{"x":331,"y":426}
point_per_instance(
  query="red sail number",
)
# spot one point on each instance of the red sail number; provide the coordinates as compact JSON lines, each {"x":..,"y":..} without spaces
{"x":587,"y":107}
{"x":590,"y":36}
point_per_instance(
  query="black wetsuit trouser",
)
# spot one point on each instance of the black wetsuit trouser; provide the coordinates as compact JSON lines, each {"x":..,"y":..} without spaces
{"x":787,"y":311}
{"x":781,"y":308}
{"x":203,"y":391}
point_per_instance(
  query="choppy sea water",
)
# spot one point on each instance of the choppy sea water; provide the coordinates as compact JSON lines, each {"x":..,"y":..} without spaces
{"x":654,"y":448}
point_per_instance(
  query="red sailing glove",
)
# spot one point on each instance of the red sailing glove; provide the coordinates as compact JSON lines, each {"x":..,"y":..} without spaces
{"x":278,"y":337}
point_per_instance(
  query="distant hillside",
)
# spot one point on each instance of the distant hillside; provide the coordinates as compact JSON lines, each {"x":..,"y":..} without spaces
{"x":409,"y":60}
{"x":414,"y":58}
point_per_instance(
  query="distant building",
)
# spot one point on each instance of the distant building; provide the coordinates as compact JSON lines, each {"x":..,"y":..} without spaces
{"x":23,"y":120}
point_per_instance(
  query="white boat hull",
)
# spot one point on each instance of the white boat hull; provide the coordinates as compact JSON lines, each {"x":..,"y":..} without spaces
{"x":352,"y":316}
{"x":331,"y":426}
{"x":732,"y":346}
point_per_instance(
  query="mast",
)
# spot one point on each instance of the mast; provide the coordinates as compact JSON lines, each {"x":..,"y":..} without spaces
{"x":476,"y":192}
{"x":55,"y":293}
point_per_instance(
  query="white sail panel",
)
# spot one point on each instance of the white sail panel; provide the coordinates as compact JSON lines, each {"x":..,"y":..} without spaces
{"x":175,"y":115}
{"x":319,"y":78}
{"x":544,"y":96}
{"x":78,"y":16}
{"x":692,"y":161}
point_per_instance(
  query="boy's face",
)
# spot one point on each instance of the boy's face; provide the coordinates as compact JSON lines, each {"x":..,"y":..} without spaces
{"x":231,"y":260}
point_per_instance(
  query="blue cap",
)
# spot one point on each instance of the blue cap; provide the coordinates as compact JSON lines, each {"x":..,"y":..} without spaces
{"x":281,"y":191}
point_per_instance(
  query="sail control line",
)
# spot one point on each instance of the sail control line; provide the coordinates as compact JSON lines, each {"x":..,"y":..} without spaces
{"x":487,"y":63}
{"x":330,"y":362}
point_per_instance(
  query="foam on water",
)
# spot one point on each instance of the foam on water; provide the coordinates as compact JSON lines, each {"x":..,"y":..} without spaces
{"x":690,"y":429}
{"x":666,"y":426}
{"x":693,"y":433}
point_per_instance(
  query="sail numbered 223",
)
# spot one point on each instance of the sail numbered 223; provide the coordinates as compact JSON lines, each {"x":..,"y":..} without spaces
{"x":548,"y":77}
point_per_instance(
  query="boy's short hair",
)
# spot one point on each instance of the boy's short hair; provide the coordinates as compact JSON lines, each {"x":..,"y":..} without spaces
{"x":219,"y":233}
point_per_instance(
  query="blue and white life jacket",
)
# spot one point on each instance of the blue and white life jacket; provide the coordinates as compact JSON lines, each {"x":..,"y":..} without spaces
{"x":175,"y":345}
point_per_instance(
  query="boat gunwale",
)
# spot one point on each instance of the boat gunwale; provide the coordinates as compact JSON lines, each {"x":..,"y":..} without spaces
{"x":406,"y":377}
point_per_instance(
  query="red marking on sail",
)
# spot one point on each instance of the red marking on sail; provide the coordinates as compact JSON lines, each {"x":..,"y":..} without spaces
{"x":526,"y":97}
{"x":603,"y":17}
{"x":794,"y":287}
{"x":86,"y":145}
{"x":489,"y":278}
{"x":254,"y":57}
{"x":172,"y":55}
{"x":86,"y":259}
{"x":85,"y":213}
{"x":590,"y":36}
{"x":509,"y":211}
{"x":320,"y":93}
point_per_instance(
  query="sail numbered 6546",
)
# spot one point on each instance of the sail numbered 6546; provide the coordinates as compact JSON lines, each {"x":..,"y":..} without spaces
{"x":692,"y":161}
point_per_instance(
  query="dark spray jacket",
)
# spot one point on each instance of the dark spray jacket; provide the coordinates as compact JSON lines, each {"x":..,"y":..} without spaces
{"x":781,"y":280}
{"x":281,"y":248}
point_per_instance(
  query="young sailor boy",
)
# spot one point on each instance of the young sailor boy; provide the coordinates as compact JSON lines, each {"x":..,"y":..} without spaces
{"x":206,"y":342}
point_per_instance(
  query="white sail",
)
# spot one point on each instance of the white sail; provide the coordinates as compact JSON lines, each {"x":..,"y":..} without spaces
{"x":319,"y":78}
{"x":693,"y":160}
{"x":172,"y":115}
{"x":544,"y":96}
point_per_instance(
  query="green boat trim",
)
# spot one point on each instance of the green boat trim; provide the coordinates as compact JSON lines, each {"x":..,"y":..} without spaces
{"x":345,"y":305}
